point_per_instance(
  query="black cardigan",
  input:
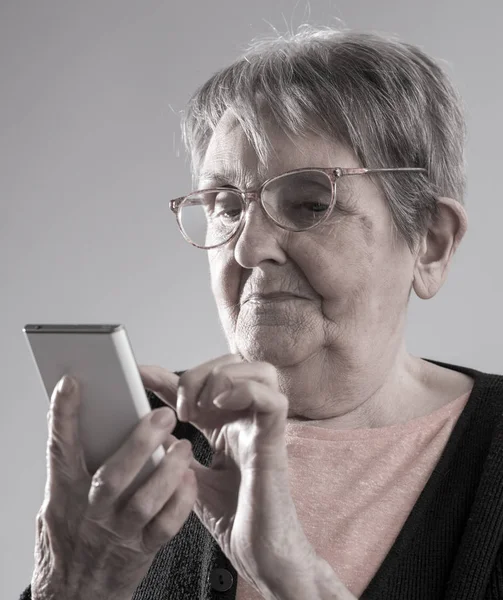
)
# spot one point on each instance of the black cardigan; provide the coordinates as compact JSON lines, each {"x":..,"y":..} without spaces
{"x":450,"y":547}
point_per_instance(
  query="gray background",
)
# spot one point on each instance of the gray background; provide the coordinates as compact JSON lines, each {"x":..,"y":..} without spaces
{"x":90,"y":154}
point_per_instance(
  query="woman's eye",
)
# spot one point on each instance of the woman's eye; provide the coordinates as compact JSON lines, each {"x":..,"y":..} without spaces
{"x":227,"y":211}
{"x":311,"y":206}
{"x":308,"y":199}
{"x":316,"y":207}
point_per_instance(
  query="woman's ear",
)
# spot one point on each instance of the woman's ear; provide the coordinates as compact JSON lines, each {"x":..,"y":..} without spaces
{"x":438,"y":246}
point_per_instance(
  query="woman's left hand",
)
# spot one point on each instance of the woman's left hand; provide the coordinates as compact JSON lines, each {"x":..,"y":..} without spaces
{"x":243,"y":497}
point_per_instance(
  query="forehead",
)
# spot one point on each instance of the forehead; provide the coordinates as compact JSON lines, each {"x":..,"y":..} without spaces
{"x":230,"y":156}
{"x":229,"y":151}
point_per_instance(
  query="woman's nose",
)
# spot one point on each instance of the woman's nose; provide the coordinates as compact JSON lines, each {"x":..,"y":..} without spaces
{"x":259,"y":238}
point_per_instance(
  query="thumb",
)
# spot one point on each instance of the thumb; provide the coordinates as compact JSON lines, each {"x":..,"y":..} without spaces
{"x":161,"y":381}
{"x":65,"y":455}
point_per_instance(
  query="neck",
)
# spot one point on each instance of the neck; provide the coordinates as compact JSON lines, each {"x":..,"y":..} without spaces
{"x":394,"y":388}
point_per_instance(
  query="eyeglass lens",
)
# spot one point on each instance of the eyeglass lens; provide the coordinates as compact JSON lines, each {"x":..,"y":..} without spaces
{"x":297,"y":201}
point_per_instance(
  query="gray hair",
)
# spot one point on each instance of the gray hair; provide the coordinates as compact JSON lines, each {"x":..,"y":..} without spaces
{"x":386,"y":100}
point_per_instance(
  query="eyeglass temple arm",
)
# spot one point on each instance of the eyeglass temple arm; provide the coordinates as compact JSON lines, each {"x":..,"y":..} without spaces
{"x":175,"y":204}
{"x":362,"y":170}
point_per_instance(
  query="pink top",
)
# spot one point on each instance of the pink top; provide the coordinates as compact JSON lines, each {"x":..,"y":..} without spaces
{"x":353,"y":489}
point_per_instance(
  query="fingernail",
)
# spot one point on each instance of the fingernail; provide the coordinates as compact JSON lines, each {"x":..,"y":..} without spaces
{"x":220,"y":400}
{"x":181,"y":406}
{"x":66,"y":385}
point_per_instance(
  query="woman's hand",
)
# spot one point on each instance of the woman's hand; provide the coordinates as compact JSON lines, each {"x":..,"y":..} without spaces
{"x":89,"y":544}
{"x":243,"y":498}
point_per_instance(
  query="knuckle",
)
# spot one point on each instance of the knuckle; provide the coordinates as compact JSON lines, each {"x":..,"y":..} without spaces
{"x":219,"y":374}
{"x":56,"y":408}
{"x":48,"y":517}
{"x":142,"y":442}
{"x":138,"y":509}
{"x":166,"y":526}
{"x":215,"y":371}
{"x":104,"y":482}
{"x":251,"y":387}
{"x":56,"y":449}
{"x":171,"y":518}
{"x":221,"y":369}
{"x":42,"y":513}
{"x":149,"y":547}
{"x":62,"y":410}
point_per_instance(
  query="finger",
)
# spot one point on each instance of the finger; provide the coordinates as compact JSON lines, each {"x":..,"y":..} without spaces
{"x":65,"y":455}
{"x":161,"y":381}
{"x":225,"y":377}
{"x":269,"y":405}
{"x":169,"y":520}
{"x":269,"y":410}
{"x":151,"y":496}
{"x":169,"y":441}
{"x":118,"y":472}
{"x":192,"y":382}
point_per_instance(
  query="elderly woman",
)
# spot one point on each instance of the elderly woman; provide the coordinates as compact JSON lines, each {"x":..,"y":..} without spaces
{"x":326,"y":461}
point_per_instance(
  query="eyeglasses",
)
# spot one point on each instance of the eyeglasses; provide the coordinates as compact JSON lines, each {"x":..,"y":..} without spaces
{"x":298,"y":200}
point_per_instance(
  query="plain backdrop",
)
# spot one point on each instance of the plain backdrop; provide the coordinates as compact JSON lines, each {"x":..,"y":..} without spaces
{"x":90,"y":154}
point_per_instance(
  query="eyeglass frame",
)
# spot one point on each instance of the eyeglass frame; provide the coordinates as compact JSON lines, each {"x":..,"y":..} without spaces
{"x":334,"y":173}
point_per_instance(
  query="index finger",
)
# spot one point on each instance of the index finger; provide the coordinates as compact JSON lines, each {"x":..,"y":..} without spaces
{"x":161,"y":381}
{"x":194,"y":381}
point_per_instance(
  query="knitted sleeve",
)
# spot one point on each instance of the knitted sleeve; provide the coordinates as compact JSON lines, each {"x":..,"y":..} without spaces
{"x":495,"y":585}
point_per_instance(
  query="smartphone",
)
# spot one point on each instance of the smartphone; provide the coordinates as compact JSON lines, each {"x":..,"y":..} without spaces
{"x":113,"y":398}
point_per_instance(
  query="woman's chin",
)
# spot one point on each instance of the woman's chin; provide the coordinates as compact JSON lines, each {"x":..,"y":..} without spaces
{"x":277,"y":346}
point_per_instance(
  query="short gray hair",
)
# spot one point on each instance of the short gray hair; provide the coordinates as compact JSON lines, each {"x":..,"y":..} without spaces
{"x":386,"y":100}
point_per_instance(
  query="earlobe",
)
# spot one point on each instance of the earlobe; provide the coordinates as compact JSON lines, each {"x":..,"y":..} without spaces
{"x":421,"y":287}
{"x":438,"y":246}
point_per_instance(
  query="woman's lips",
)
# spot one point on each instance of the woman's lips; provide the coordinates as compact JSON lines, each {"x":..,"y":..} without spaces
{"x":273,"y":297}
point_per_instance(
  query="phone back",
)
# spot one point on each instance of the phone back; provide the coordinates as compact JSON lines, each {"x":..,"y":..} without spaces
{"x":113,"y":398}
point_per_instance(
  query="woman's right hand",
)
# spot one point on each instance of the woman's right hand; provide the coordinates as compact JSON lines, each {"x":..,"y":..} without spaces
{"x":88,"y":545}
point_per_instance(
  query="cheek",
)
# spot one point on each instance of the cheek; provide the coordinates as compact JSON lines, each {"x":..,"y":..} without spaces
{"x":335,"y":265}
{"x":225,"y":278}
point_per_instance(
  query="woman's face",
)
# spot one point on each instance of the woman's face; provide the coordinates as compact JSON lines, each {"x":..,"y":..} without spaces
{"x":345,"y":284}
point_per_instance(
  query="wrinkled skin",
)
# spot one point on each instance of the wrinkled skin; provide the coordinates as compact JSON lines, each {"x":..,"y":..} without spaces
{"x":89,"y":543}
{"x":244,"y":497}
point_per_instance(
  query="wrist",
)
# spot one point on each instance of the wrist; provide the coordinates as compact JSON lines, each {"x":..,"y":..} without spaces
{"x":316,"y":581}
{"x":328,"y":585}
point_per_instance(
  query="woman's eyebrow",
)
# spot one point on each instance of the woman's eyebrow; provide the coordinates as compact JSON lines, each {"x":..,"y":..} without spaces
{"x":232,"y":176}
{"x":216,"y":177}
